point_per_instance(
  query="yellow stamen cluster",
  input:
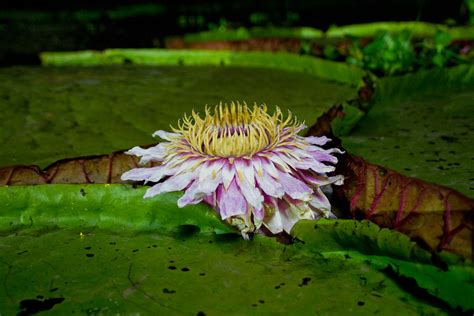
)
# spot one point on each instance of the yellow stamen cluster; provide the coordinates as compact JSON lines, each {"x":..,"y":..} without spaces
{"x":236,"y":130}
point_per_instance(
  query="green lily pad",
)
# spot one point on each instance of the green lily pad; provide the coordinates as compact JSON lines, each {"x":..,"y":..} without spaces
{"x":421,"y":126}
{"x":389,"y":250}
{"x":242,"y":34}
{"x":49,"y":113}
{"x":117,"y":268}
{"x":115,"y":208}
{"x":416,"y":28}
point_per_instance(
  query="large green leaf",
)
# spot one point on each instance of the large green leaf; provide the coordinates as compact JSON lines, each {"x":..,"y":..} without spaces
{"x":417,"y":29}
{"x":51,"y":113}
{"x":112,"y":207}
{"x":421,"y":125}
{"x":241,"y":34}
{"x":121,"y":269}
{"x":158,"y":57}
{"x":365,"y":241}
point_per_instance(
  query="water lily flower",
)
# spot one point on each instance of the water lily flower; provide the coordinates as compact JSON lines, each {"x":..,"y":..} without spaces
{"x":251,"y":166}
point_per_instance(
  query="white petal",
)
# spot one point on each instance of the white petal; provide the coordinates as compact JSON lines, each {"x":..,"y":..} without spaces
{"x":267,"y":166}
{"x":175,"y":183}
{"x":191,"y":196}
{"x":165,"y":135}
{"x":317,"y":140}
{"x":140,"y":174}
{"x":295,"y":188}
{"x":294,"y":213}
{"x":246,"y":181}
{"x":155,"y":153}
{"x":231,"y":202}
{"x":244,"y":171}
{"x":161,"y":173}
{"x":320,"y":201}
{"x":273,"y":222}
{"x":280,"y":162}
{"x":228,"y":173}
{"x":270,"y":186}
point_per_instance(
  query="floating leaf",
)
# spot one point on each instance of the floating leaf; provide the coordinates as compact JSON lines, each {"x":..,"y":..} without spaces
{"x":436,"y":217}
{"x":93,"y":169}
{"x":421,"y":126}
{"x":390,"y":251}
{"x":117,"y":269}
{"x":112,"y":207}
{"x":49,"y":114}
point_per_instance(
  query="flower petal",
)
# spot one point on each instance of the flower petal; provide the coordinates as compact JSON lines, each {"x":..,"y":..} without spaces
{"x":320,"y":141}
{"x":273,"y":221}
{"x":323,"y":156}
{"x":270,"y":186}
{"x":175,"y":183}
{"x":267,"y":166}
{"x":293,"y":213}
{"x":165,"y":135}
{"x":155,"y":153}
{"x":295,"y":188}
{"x":231,"y":202}
{"x":320,"y":201}
{"x":228,"y":173}
{"x":191,"y":195}
{"x":210,"y":176}
{"x":246,"y":181}
{"x":140,"y":174}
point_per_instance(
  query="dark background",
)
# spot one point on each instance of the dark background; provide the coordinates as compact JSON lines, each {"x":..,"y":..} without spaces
{"x":29,"y":27}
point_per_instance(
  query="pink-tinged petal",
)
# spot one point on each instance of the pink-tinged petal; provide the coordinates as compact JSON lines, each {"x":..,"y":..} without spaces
{"x":155,"y":153}
{"x":166,"y":135}
{"x":334,"y":150}
{"x":277,"y":160}
{"x":186,"y":165}
{"x":290,"y":161}
{"x":175,"y":183}
{"x":320,"y":141}
{"x":320,"y":201}
{"x":299,"y":153}
{"x":259,"y":214}
{"x":141,"y":174}
{"x":295,"y":188}
{"x":319,"y":180}
{"x":267,"y":166}
{"x":191,"y":195}
{"x":273,"y":221}
{"x":337,"y":180}
{"x":210,"y":199}
{"x":293,"y":213}
{"x":270,"y":186}
{"x":160,"y":174}
{"x":323,"y":156}
{"x":314,"y":165}
{"x":244,"y":171}
{"x":231,"y":202}
{"x":210,"y":176}
{"x":153,"y":174}
{"x":228,"y":173}
{"x":246,"y":181}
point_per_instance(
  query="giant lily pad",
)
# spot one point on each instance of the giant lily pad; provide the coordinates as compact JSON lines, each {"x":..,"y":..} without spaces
{"x":121,"y":269}
{"x":421,"y":125}
{"x":417,"y":28}
{"x":53,"y":113}
{"x":136,"y":256}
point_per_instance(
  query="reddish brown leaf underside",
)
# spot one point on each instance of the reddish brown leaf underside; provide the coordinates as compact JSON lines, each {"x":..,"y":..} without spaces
{"x":94,"y":169}
{"x":438,"y":217}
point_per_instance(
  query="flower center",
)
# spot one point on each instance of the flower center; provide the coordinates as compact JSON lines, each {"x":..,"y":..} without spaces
{"x":236,"y":130}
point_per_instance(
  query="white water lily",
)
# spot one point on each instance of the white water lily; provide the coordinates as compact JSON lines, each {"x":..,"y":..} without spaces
{"x":252,"y":167}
